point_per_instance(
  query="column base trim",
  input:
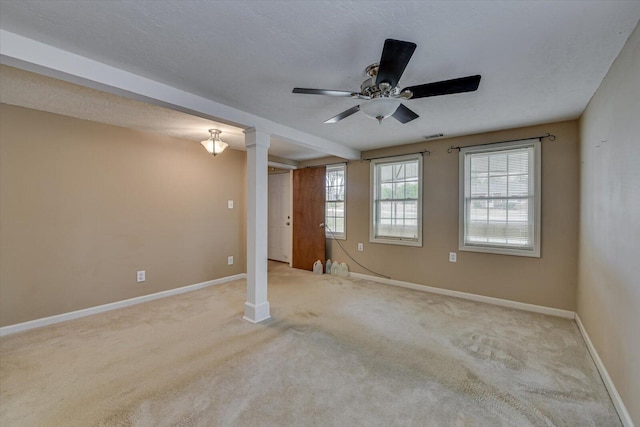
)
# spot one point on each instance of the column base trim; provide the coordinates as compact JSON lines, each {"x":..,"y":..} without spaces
{"x":256,"y":313}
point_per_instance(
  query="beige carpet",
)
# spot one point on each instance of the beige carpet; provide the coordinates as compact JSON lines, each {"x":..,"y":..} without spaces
{"x":337,"y":352}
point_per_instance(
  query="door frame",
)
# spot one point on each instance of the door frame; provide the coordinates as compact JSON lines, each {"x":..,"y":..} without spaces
{"x":290,"y":214}
{"x":290,"y":168}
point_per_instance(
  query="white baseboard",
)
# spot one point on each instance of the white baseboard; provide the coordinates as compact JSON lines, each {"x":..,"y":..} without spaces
{"x":45,"y":321}
{"x":473,"y":297}
{"x":606,"y":379}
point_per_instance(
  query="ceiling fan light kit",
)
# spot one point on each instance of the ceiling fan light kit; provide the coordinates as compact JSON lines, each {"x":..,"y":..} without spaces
{"x":380,"y":90}
{"x":380,"y":108}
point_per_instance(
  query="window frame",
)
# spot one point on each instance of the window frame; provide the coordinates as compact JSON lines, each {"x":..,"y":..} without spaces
{"x":403,"y":241}
{"x":537,"y":197}
{"x":335,"y":235}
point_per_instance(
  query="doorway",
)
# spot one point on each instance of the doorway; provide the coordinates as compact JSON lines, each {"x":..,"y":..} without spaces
{"x":279,"y":221}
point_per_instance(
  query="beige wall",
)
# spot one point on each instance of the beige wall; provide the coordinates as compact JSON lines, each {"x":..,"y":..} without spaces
{"x":608,"y":274}
{"x":83,"y":206}
{"x":548,"y":281}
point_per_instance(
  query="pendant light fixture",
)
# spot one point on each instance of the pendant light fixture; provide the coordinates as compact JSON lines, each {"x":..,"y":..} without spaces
{"x":214,"y":144}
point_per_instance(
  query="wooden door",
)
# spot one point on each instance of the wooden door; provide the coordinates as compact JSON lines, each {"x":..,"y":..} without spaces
{"x":279,"y":217}
{"x":308,"y":217}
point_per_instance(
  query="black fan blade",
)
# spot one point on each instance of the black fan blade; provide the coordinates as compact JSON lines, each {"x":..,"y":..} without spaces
{"x":404,"y":114}
{"x":445,"y":87}
{"x":322,"y":92}
{"x":395,"y":57}
{"x":343,"y":115}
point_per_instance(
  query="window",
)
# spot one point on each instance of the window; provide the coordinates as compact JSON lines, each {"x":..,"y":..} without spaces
{"x":396,"y":200}
{"x":500,"y":198}
{"x":335,"y":201}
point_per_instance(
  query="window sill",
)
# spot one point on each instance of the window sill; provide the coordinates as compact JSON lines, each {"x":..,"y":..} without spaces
{"x":399,"y":242}
{"x":500,"y":251}
{"x":336,"y":237}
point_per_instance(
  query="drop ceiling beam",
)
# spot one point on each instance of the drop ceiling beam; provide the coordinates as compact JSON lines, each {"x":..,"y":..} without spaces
{"x":31,"y":55}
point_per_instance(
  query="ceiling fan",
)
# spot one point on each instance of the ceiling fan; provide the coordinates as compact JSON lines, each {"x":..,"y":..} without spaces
{"x":380,"y":90}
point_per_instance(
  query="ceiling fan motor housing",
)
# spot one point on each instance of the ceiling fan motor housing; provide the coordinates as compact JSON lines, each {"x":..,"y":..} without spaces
{"x":370,"y":89}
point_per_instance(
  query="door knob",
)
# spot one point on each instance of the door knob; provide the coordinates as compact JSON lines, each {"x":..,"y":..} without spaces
{"x":322,"y":225}
{"x":288,"y":223}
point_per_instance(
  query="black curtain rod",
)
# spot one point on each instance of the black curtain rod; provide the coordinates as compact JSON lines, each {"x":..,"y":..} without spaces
{"x":540,"y":137}
{"x":328,"y":164}
{"x":423,"y":152}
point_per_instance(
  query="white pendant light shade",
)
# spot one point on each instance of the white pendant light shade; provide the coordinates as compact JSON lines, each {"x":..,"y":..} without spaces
{"x":208,"y":145}
{"x":380,"y":108}
{"x":220,"y":146}
{"x":214,"y":144}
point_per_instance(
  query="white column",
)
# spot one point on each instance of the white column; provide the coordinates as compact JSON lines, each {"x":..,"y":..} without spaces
{"x":256,"y":309}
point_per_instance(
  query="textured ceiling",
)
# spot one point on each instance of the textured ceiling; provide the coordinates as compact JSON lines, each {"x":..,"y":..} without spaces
{"x":540,"y":61}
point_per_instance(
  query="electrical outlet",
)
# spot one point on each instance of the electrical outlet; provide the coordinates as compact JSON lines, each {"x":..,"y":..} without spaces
{"x":141,"y":276}
{"x":230,"y":260}
{"x":230,"y":204}
{"x":360,"y":247}
{"x":453,"y":257}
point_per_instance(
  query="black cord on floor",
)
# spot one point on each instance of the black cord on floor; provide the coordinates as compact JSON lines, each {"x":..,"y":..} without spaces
{"x":352,"y":258}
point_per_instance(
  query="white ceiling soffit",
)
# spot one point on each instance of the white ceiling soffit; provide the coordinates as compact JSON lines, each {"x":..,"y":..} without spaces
{"x":539,"y":61}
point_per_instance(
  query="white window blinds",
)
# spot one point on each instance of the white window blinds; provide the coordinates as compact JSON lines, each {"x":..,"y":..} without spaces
{"x":397,"y":200}
{"x":335,"y":213}
{"x":500,"y":198}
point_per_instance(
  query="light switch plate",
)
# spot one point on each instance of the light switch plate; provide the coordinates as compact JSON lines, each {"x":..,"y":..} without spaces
{"x":230,"y":204}
{"x":453,"y":257}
